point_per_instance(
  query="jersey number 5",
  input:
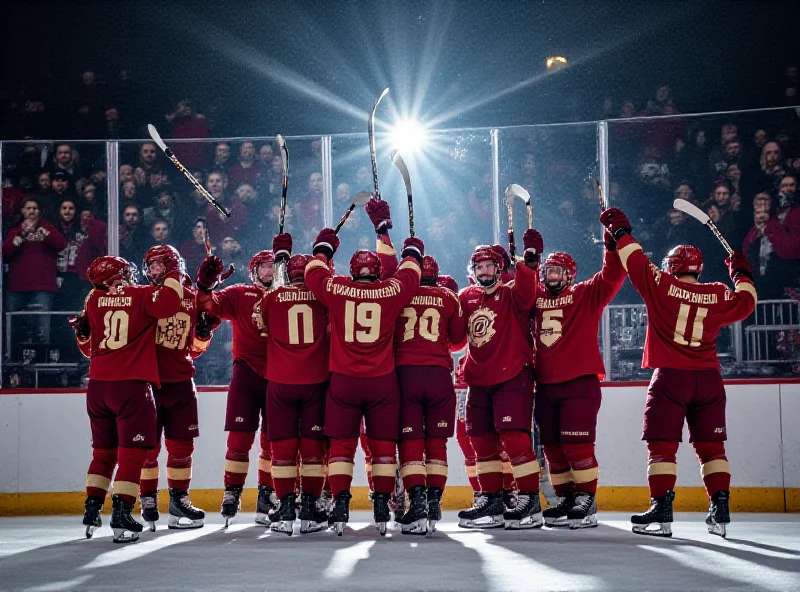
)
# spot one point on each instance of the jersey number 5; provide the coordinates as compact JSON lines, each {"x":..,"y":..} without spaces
{"x":697,"y":326}
{"x":428,"y":324}
{"x":366,"y":315}
{"x":115,"y":330}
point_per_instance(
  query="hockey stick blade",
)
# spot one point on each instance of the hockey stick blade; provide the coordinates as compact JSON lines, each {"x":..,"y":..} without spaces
{"x":520,"y":192}
{"x":401,"y":166}
{"x":157,"y":138}
{"x":285,"y":161}
{"x":360,"y":200}
{"x":371,"y":135}
{"x":699,"y":215}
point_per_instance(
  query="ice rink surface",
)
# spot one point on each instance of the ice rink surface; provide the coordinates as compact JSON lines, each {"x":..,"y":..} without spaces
{"x":51,"y":554}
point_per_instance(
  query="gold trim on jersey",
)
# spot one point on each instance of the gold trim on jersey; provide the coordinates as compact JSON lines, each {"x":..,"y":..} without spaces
{"x":125,"y":488}
{"x":179,"y":474}
{"x":97,"y":481}
{"x":149,"y":473}
{"x":383,"y":470}
{"x":175,"y":285}
{"x":491,"y":466}
{"x":472,"y":471}
{"x":507,"y":468}
{"x":340,"y":468}
{"x":716,"y":466}
{"x":312,"y":470}
{"x":411,"y":265}
{"x":662,"y":468}
{"x":561,"y":478}
{"x":279,"y":472}
{"x":745,"y":286}
{"x":436,"y":469}
{"x":236,"y":466}
{"x":413,"y":468}
{"x":315,"y":263}
{"x":525,"y":469}
{"x":626,"y":252}
{"x":586,"y":475}
{"x":265,"y":464}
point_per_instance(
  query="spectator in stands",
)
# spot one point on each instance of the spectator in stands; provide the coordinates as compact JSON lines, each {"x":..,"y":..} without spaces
{"x":94,"y":199}
{"x":125,"y":173}
{"x":43,"y":184}
{"x":149,"y":174}
{"x":129,"y":195}
{"x":760,"y":138}
{"x":760,"y":252}
{"x":193,"y":250}
{"x":220,"y":226}
{"x":133,"y":238}
{"x":231,"y":252}
{"x":164,"y":208}
{"x":265,"y":156}
{"x":30,"y":249}
{"x":61,"y":188}
{"x":247,"y":170}
{"x":771,"y":169}
{"x":188,"y":124}
{"x":82,"y":246}
{"x":673,"y":230}
{"x":720,"y":160}
{"x":65,"y":163}
{"x":362,"y":181}
{"x":160,"y":233}
{"x":272,"y":178}
{"x":222,"y":157}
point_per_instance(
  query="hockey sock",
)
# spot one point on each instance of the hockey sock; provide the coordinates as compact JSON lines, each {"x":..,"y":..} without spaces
{"x":583,"y":464}
{"x":340,"y":465}
{"x":179,"y":463}
{"x":384,"y":464}
{"x":237,"y":457}
{"x":284,"y":465}
{"x":148,"y":480}
{"x":412,"y":462}
{"x":367,"y":457}
{"x":525,"y":467}
{"x":126,"y":481}
{"x":436,"y":462}
{"x":312,"y":469}
{"x":488,"y":465}
{"x":560,"y":473}
{"x":662,"y":467}
{"x":714,"y":466}
{"x":508,"y":472}
{"x":469,"y":455}
{"x":265,"y":462}
{"x":98,"y":478}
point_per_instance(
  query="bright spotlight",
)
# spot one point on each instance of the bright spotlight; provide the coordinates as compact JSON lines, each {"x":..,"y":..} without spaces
{"x":555,"y":63}
{"x":408,"y":136}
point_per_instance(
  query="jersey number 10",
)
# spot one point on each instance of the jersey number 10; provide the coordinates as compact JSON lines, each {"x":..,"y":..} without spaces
{"x":697,"y":326}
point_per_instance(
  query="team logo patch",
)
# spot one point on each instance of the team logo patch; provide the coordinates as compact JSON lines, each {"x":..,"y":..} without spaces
{"x":193,"y":427}
{"x":408,"y":430}
{"x":481,"y":327}
{"x":316,"y":429}
{"x":506,"y":419}
{"x":138,"y":438}
{"x":239,"y":420}
{"x":719,"y":430}
{"x":441,"y":424}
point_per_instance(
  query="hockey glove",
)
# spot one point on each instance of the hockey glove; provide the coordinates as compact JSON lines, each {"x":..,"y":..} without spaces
{"x":414,"y":247}
{"x":209,"y":273}
{"x":282,"y":247}
{"x":378,"y":212}
{"x":80,"y":324}
{"x":616,"y":222}
{"x":205,"y":326}
{"x":611,"y":244}
{"x":739,"y":267}
{"x":327,"y":243}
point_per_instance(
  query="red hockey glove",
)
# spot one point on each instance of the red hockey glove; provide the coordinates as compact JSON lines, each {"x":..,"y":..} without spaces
{"x":209,"y":273}
{"x":282,"y":246}
{"x":378,"y":212}
{"x":414,"y":247}
{"x":81,"y":326}
{"x":611,"y":244}
{"x":446,"y":281}
{"x":616,"y":222}
{"x":327,"y":243}
{"x":739,"y":267}
{"x":205,"y":326}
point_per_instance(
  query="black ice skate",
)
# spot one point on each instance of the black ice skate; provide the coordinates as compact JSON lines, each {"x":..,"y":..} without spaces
{"x":584,"y":513}
{"x":325,"y":502}
{"x":341,"y":511}
{"x":398,"y":502}
{"x":487,"y":512}
{"x":434,"y":508}
{"x":660,"y":514}
{"x":312,"y":519}
{"x":231,"y":503}
{"x":719,"y":513}
{"x":380,"y":511}
{"x":556,"y":516}
{"x":182,"y":513}
{"x":283,"y":520}
{"x":527,"y":513}
{"x":415,"y":520}
{"x":150,"y":513}
{"x":91,"y":517}
{"x":267,"y":506}
{"x":509,"y":499}
{"x":126,"y":529}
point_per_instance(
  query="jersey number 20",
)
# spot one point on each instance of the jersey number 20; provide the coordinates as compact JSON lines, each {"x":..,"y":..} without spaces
{"x":428,"y":324}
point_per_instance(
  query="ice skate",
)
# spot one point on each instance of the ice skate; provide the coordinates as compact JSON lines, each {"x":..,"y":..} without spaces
{"x":91,"y":517}
{"x":341,"y":511}
{"x":556,"y":516}
{"x":398,"y":501}
{"x":584,"y":513}
{"x":509,"y":499}
{"x":380,"y":511}
{"x":231,"y":503}
{"x":284,"y":517}
{"x":434,"y":508}
{"x":267,"y":505}
{"x":659,"y":514}
{"x":719,"y":513}
{"x":527,"y":512}
{"x":415,"y":520}
{"x":150,"y":513}
{"x":182,"y":513}
{"x":487,"y":512}
{"x":312,"y":519}
{"x":126,"y":529}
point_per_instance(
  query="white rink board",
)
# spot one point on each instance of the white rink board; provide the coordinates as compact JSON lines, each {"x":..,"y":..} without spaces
{"x":45,"y":443}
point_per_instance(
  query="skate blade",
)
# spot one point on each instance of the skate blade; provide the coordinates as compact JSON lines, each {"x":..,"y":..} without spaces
{"x":662,"y":530}
{"x":418,"y":527}
{"x":556,"y":522}
{"x":263,"y":519}
{"x":382,"y":527}
{"x":183,"y":523}
{"x":228,"y":521}
{"x":493,"y":522}
{"x":588,"y":522}
{"x":152,"y":526}
{"x":309,"y":526}
{"x":90,"y":531}
{"x":534,"y":521}
{"x":284,"y":526}
{"x":123,"y":536}
{"x":431,"y":526}
{"x":339,"y":528}
{"x":718,"y":529}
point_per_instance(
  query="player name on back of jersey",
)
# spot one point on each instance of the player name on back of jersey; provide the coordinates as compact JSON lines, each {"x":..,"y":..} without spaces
{"x":295,"y":296}
{"x":114,"y":301}
{"x":437,"y":301}
{"x":692,"y":297}
{"x":559,"y":302}
{"x":388,"y":291}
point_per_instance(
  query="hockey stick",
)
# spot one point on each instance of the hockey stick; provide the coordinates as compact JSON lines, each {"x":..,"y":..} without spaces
{"x":231,"y":269}
{"x":285,"y":158}
{"x":512,"y":246}
{"x":695,"y":212}
{"x":522,"y":193}
{"x":371,"y":133}
{"x":157,"y":139}
{"x":401,"y":166}
{"x":360,"y":200}
{"x":600,"y":195}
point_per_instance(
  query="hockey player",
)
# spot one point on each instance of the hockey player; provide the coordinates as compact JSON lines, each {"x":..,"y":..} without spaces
{"x":430,"y":326}
{"x":116,"y":331}
{"x":568,"y":366}
{"x":363,"y":311}
{"x":498,"y":372}
{"x":684,"y":318}
{"x":179,"y":339}
{"x":296,"y":324}
{"x":247,"y":391}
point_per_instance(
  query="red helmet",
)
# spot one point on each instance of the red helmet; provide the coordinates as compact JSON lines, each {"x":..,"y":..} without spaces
{"x":107,"y":270}
{"x":683,"y":259}
{"x":365,"y":260}
{"x":257,"y":260}
{"x":168,"y":256}
{"x":504,"y":254}
{"x":430,"y":270}
{"x":486,"y":253}
{"x":566,"y":264}
{"x":296,"y":267}
{"x":446,"y":281}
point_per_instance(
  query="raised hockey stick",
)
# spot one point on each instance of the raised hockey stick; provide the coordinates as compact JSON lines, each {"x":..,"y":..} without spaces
{"x":360,"y":200}
{"x":401,"y":166}
{"x":600,"y":195}
{"x":285,"y":159}
{"x":231,"y":269}
{"x":157,"y":139}
{"x":695,"y":212}
{"x":522,"y":193}
{"x":371,"y":133}
{"x":512,"y":246}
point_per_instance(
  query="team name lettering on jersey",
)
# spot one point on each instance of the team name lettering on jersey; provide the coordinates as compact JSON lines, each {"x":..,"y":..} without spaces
{"x":428,"y":301}
{"x":298,"y":296}
{"x":691,"y":297}
{"x":559,"y":302}
{"x":114,"y":301}
{"x":389,"y":291}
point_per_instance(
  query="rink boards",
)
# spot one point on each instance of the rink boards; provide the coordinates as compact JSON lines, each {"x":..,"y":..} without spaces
{"x":45,"y":451}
